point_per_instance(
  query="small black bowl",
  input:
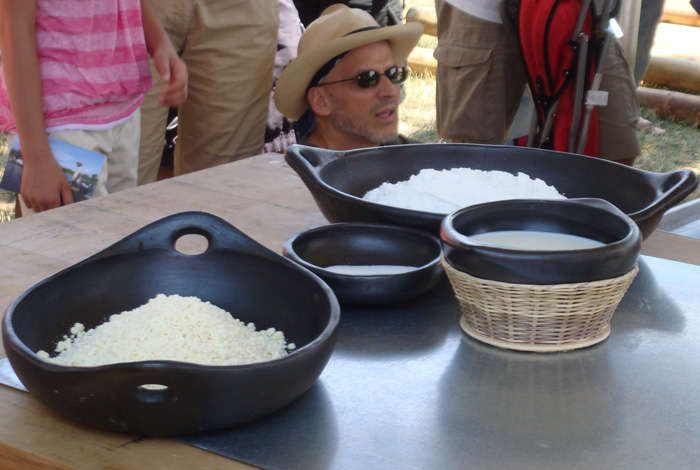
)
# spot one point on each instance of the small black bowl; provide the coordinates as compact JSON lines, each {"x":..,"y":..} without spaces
{"x":365,"y":246}
{"x":595,"y":219}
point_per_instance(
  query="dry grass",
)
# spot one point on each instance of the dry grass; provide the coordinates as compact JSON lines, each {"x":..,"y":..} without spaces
{"x":418,"y":109}
{"x":7,"y":199}
{"x":678,"y":148}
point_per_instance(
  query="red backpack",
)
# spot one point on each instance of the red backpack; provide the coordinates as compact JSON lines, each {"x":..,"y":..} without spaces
{"x":563,"y":44}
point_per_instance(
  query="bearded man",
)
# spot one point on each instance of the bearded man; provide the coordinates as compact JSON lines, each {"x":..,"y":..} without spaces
{"x":343,"y":88}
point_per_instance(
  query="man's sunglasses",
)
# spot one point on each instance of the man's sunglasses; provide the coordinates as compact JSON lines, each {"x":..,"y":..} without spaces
{"x":371,"y":78}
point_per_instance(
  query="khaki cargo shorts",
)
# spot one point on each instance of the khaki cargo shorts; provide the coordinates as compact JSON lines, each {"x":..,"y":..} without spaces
{"x":480,"y":77}
{"x":617,"y":122}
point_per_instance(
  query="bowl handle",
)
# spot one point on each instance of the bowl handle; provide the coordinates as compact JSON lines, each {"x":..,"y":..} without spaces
{"x":163,"y":233}
{"x":673,"y":187}
{"x":310,"y":158}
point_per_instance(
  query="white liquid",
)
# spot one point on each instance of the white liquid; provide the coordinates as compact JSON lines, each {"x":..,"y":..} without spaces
{"x":369,"y":270}
{"x":539,"y":241}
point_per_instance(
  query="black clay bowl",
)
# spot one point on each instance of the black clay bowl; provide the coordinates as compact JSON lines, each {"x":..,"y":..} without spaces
{"x":594,"y":219}
{"x":368,"y":249}
{"x":339,"y":180}
{"x":234,"y":273}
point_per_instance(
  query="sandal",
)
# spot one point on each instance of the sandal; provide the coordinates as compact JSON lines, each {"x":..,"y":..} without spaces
{"x":648,"y":127}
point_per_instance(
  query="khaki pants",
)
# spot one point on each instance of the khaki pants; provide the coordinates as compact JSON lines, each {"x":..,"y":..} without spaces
{"x":229,"y":47}
{"x":617,"y":122}
{"x":120,"y":144}
{"x":480,"y":77}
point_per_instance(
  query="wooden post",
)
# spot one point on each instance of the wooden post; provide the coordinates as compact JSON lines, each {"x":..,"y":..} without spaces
{"x":671,"y":104}
{"x":680,"y":12}
{"x":421,"y":60}
{"x":677,"y":74}
{"x":424,"y":15}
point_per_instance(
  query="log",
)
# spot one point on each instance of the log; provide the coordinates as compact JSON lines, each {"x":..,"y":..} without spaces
{"x":677,"y":74}
{"x":421,"y":60}
{"x":681,"y":18}
{"x":674,"y":13}
{"x":668,"y":104}
{"x":426,"y":16}
{"x":680,"y":12}
{"x":671,"y":104}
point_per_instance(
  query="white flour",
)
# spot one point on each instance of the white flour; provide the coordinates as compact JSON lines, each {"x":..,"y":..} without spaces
{"x":444,"y":191}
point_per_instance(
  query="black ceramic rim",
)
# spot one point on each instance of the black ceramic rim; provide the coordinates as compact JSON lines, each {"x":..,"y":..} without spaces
{"x":292,"y":253}
{"x":457,"y":239}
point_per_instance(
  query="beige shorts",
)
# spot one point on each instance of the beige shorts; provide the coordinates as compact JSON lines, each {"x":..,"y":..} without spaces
{"x":229,"y":48}
{"x":617,"y":122}
{"x":480,"y":77}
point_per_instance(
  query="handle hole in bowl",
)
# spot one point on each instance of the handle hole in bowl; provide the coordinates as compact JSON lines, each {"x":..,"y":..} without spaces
{"x":152,"y":393}
{"x":192,"y":244}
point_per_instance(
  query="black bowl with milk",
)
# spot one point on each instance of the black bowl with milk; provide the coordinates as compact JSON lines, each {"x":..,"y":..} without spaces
{"x":527,"y":241}
{"x":369,"y":263}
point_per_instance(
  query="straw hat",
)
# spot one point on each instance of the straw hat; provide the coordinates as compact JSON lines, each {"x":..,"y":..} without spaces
{"x":338,"y":29}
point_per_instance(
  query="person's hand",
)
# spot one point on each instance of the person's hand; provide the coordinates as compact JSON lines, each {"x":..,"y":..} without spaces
{"x":173,"y":73}
{"x":44,"y":185}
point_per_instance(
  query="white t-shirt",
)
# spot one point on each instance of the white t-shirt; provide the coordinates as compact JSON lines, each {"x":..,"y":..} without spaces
{"x":77,"y":174}
{"x":484,"y":9}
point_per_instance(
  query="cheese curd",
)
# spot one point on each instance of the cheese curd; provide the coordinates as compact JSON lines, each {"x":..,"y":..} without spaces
{"x":174,"y":328}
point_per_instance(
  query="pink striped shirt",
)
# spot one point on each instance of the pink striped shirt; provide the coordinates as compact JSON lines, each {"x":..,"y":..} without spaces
{"x":93,"y":62}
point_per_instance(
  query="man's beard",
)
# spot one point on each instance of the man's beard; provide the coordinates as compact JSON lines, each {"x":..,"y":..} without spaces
{"x":364,"y":131}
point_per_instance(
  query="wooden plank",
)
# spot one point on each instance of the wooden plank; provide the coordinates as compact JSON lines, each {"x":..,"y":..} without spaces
{"x":680,"y":12}
{"x":16,"y":459}
{"x":421,"y":60}
{"x":425,"y":15}
{"x":261,"y":196}
{"x":671,"y":246}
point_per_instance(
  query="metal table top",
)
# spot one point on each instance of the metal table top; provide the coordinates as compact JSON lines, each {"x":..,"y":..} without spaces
{"x":406,"y":389}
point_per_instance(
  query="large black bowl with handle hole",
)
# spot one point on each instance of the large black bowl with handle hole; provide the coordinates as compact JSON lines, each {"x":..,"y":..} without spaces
{"x":235,"y":273}
{"x":338,"y":180}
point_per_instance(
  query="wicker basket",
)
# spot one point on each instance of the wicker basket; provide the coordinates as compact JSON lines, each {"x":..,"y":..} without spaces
{"x":539,"y":318}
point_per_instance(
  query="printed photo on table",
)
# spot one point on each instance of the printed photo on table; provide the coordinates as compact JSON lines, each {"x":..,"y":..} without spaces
{"x":82,"y":168}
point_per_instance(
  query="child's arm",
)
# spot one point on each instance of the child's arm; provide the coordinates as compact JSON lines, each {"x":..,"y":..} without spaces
{"x":44,"y":186}
{"x":172,"y":70}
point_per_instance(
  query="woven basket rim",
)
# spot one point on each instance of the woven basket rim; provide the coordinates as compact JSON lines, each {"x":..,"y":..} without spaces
{"x":534,"y":317}
{"x":601,"y":282}
{"x":535,"y":347}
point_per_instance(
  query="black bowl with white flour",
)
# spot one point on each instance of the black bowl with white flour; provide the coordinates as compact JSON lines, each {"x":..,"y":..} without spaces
{"x":369,"y":263}
{"x":541,"y":242}
{"x":340,"y":182}
{"x":252,"y":370}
